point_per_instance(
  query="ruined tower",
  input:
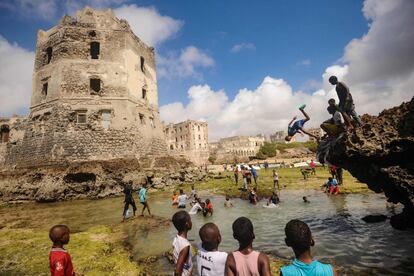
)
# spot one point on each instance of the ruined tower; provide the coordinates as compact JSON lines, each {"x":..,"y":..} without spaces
{"x":94,"y":95}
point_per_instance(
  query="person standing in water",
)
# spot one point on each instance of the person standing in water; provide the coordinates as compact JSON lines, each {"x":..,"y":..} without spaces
{"x":128,"y":200}
{"x":143,"y":199}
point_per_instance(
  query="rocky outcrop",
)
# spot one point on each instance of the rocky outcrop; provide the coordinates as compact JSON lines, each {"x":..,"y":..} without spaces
{"x":93,"y":179}
{"x":381,"y":154}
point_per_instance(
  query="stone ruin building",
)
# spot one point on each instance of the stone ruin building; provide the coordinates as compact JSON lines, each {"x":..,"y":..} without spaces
{"x":188,"y":139}
{"x":236,"y":148}
{"x":94,"y":96}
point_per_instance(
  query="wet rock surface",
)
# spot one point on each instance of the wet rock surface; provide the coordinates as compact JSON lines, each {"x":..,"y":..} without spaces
{"x":93,"y":179}
{"x":381,"y":154}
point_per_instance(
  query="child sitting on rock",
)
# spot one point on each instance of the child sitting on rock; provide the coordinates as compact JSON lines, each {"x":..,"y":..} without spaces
{"x":299,"y":237}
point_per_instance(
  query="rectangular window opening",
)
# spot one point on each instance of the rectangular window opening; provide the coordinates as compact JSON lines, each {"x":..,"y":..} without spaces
{"x":81,"y":117}
{"x":95,"y":49}
{"x":142,"y":119}
{"x":95,"y":85}
{"x":142,"y":64}
{"x":49,"y":52}
{"x":144,"y":93}
{"x":44,"y":89}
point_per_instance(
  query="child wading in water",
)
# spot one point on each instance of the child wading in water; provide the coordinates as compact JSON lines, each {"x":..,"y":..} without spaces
{"x":246,"y":261}
{"x":298,"y":125}
{"x":181,"y":246}
{"x":59,"y":259}
{"x":299,"y":237}
{"x":143,"y":199}
{"x":210,"y":261}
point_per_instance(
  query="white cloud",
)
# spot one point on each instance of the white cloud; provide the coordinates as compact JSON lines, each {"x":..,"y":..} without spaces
{"x":185,"y":64}
{"x":45,"y":9}
{"x":378,"y":68}
{"x":242,"y":46}
{"x":148,"y":24}
{"x":15,"y":78}
{"x":264,"y":110}
{"x":305,"y":62}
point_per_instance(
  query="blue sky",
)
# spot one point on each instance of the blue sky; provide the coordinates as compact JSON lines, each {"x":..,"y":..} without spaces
{"x":242,"y":66}
{"x":284,"y":34}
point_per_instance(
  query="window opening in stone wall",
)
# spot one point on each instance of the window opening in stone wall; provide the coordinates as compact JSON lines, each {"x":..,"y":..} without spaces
{"x":199,"y":137}
{"x":49,"y":52}
{"x":81,"y":117}
{"x":142,"y":64}
{"x":44,"y":89}
{"x":171,"y":147}
{"x":106,"y":118}
{"x":176,"y":139}
{"x":152,"y":122}
{"x":142,"y":119}
{"x":95,"y":85}
{"x":4,"y":134}
{"x":92,"y":33}
{"x":144,"y":93}
{"x":95,"y":50}
{"x":198,"y":128}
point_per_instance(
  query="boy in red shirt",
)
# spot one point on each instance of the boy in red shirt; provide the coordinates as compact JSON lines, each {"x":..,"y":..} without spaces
{"x":208,"y":209}
{"x":59,"y":259}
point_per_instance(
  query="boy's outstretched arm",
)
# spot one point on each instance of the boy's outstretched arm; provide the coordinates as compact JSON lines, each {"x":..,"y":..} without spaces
{"x":182,"y":257}
{"x":310,"y":134}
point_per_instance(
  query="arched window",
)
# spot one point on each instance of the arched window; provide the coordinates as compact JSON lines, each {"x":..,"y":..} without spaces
{"x":4,"y":134}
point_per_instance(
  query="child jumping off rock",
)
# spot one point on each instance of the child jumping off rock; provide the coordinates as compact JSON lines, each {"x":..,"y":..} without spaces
{"x":297,"y":126}
{"x":299,"y":237}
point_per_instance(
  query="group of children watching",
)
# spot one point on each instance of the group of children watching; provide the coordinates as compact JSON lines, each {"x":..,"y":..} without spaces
{"x":343,"y":114}
{"x":245,"y":260}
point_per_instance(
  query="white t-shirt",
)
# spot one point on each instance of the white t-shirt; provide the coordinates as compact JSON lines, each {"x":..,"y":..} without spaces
{"x":179,"y":243}
{"x":338,"y":118}
{"x":210,"y":263}
{"x":195,"y":208}
{"x":182,"y":200}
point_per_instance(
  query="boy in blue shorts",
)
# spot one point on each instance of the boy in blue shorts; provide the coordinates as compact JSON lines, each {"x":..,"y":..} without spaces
{"x":143,"y":199}
{"x":299,"y":237}
{"x":297,"y":126}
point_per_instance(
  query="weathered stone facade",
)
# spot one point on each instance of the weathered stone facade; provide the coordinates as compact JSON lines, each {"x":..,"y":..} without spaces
{"x":94,"y":97}
{"x":237,"y":148}
{"x":188,"y":139}
{"x":278,"y":136}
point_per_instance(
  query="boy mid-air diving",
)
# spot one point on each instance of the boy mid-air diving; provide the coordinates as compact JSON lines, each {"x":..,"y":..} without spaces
{"x":297,"y":126}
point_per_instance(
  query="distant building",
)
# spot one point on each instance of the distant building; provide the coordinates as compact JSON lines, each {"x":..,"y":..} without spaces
{"x":188,"y":139}
{"x":278,"y":136}
{"x":315,"y":131}
{"x":237,"y":148}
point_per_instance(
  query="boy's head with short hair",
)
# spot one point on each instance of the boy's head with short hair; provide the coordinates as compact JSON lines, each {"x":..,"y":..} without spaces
{"x":331,"y":109}
{"x":298,"y":236}
{"x":332,"y":102}
{"x":182,"y":221}
{"x":288,"y":138}
{"x":243,"y":231}
{"x":333,"y":80}
{"x":59,"y":234}
{"x":210,"y":236}
{"x":181,"y":191}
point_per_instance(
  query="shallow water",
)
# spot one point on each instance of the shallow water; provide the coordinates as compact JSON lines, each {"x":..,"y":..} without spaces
{"x":341,"y":236}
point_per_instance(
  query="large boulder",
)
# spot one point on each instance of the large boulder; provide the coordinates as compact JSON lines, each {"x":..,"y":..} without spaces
{"x":381,"y":154}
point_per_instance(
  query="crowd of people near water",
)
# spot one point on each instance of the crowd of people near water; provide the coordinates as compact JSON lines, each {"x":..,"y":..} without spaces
{"x":244,"y":260}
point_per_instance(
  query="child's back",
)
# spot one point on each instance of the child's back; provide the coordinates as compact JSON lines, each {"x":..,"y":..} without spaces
{"x":210,"y":261}
{"x":299,"y":237}
{"x":298,"y":268}
{"x":181,"y":246}
{"x":60,"y":262}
